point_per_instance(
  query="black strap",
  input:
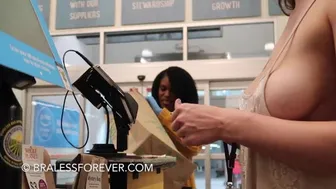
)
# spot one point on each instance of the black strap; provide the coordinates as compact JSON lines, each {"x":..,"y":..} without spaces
{"x":230,"y":161}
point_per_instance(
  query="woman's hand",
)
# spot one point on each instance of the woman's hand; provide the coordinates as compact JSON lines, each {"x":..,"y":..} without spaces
{"x":201,"y":124}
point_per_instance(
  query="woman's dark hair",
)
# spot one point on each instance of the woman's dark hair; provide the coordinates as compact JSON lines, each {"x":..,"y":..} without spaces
{"x":181,"y":83}
{"x":286,"y":5}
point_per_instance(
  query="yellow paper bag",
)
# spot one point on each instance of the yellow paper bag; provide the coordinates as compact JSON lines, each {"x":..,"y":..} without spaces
{"x":148,"y":136}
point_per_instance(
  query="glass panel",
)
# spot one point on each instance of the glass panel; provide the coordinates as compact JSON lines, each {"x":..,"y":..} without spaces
{"x":87,"y":45}
{"x":199,"y":92}
{"x":200,"y":174}
{"x":225,"y":99}
{"x":202,"y":150}
{"x":218,"y":179}
{"x":200,"y":96}
{"x":46,"y":127}
{"x":231,"y":41}
{"x":144,"y":46}
{"x":97,"y":125}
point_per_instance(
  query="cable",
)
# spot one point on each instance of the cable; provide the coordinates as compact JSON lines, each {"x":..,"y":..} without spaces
{"x":108,"y":124}
{"x":74,"y":95}
{"x":86,"y":122}
{"x":79,"y":54}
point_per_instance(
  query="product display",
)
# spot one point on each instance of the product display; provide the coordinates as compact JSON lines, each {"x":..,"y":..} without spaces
{"x":91,"y":179}
{"x":37,"y":177}
{"x":137,"y":171}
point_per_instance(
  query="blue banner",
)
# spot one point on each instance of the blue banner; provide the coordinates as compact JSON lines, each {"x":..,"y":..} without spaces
{"x":84,"y":13}
{"x":274,"y":8}
{"x":30,"y":50}
{"x":47,"y":126}
{"x":19,"y":56}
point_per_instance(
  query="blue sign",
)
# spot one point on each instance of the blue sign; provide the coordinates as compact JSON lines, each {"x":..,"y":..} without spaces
{"x":218,"y":9}
{"x":47,"y":126}
{"x":30,"y":50}
{"x":44,"y":6}
{"x":84,"y":13}
{"x":154,"y":11}
{"x":274,"y":8}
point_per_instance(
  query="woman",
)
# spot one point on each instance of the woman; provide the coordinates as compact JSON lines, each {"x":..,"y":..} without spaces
{"x":169,"y":85}
{"x":172,"y":83}
{"x":286,"y":124}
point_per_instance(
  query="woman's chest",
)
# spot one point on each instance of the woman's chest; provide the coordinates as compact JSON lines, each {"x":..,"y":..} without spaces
{"x":300,"y":78}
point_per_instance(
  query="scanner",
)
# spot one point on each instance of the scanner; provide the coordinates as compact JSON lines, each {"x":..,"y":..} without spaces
{"x":96,"y":86}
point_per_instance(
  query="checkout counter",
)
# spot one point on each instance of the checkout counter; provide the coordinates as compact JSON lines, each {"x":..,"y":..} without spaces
{"x":133,"y":180}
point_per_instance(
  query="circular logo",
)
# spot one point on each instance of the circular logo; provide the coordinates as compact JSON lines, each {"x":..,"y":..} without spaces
{"x":12,"y":146}
{"x":42,"y":184}
{"x":44,"y":128}
{"x":25,"y":167}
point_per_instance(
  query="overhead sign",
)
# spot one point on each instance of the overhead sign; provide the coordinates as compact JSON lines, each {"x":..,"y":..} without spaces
{"x":274,"y":8}
{"x":44,"y":6}
{"x":47,"y":126}
{"x":152,"y":11}
{"x":30,"y":50}
{"x":217,"y":9}
{"x":84,"y":13}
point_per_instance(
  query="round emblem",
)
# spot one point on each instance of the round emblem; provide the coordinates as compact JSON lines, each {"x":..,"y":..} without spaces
{"x":44,"y":127}
{"x":12,"y":146}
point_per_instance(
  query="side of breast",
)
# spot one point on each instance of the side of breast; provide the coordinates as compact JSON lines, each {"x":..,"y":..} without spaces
{"x":296,"y":90}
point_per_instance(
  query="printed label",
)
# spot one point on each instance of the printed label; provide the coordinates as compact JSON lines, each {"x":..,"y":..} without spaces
{"x":35,"y":183}
{"x":94,"y":178}
{"x":12,"y":136}
{"x":64,"y":78}
{"x":34,"y":155}
{"x":42,"y":184}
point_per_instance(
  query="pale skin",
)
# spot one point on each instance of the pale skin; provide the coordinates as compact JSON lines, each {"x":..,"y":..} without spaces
{"x":300,"y":95}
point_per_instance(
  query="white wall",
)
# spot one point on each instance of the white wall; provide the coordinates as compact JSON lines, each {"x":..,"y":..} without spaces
{"x":64,"y":43}
{"x":20,"y":95}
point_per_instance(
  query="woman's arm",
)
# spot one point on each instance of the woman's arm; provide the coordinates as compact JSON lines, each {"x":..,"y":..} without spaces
{"x":310,"y":146}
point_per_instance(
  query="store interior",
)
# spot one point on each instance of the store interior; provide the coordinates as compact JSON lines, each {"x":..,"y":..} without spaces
{"x":222,"y":52}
